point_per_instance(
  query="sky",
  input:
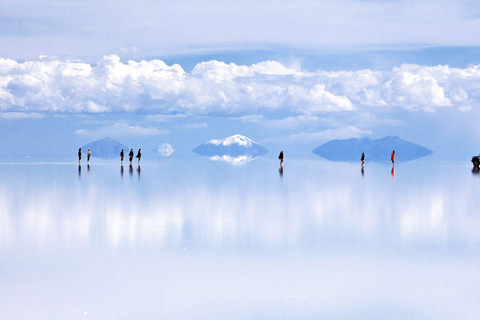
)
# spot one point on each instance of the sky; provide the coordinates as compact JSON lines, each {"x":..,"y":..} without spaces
{"x":289,"y":75}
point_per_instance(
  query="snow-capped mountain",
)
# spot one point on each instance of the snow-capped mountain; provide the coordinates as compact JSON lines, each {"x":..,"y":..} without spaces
{"x":235,"y":139}
{"x":230,"y":148}
{"x":375,"y":150}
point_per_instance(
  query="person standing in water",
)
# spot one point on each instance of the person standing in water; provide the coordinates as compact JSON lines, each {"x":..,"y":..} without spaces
{"x":121,"y":156}
{"x":363,"y":159}
{"x":88,"y":156}
{"x":392,"y":157}
{"x":139,"y":155}
{"x":280,"y":157}
{"x":130,"y":156}
{"x":79,"y":155}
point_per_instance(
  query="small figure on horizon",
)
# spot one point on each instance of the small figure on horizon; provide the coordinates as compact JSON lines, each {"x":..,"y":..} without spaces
{"x":79,"y":155}
{"x":130,"y":156}
{"x":363,"y":159}
{"x":280,"y":157}
{"x":139,"y":155}
{"x":88,"y":156}
{"x":121,"y":156}
{"x":392,"y":157}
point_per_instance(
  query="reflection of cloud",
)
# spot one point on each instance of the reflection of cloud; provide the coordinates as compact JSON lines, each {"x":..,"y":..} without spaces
{"x":165,"y":149}
{"x":256,"y":213}
{"x":123,"y":129}
{"x":237,"y":161}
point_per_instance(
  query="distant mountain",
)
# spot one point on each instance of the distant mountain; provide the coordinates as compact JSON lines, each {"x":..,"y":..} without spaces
{"x":375,"y":150}
{"x":236,"y":146}
{"x":105,"y":148}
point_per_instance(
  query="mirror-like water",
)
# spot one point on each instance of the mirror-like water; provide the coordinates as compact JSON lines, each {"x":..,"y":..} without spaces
{"x":210,"y":240}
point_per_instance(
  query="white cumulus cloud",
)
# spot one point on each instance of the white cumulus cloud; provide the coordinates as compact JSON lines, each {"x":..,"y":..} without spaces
{"x":228,"y":90}
{"x":122,"y":128}
{"x":165,"y":149}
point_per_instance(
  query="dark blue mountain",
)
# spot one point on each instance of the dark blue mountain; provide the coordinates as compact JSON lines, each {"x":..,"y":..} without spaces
{"x":379,"y":150}
{"x":234,"y":146}
{"x":105,"y":148}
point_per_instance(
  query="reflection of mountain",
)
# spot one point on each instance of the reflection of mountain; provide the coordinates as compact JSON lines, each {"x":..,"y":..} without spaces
{"x":375,"y":150}
{"x":237,"y":161}
{"x":236,"y":149}
{"x":105,"y":148}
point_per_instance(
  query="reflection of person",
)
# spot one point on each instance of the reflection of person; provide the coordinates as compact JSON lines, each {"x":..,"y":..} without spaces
{"x":363,"y":159}
{"x":363,"y":171}
{"x":79,"y":155}
{"x":130,"y":156}
{"x":79,"y":171}
{"x":139,"y":171}
{"x":130,"y":170}
{"x":280,"y":172}
{"x":88,"y":155}
{"x":139,"y":155}
{"x":280,"y":157}
{"x":393,"y":173}
{"x":121,"y":170}
{"x":121,"y":156}
{"x":392,"y":157}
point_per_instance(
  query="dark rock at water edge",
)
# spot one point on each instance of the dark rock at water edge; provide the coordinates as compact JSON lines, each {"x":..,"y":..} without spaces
{"x":379,"y":150}
{"x":105,"y":148}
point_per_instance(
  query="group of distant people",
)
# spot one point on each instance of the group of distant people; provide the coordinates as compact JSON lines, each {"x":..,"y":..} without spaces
{"x":392,"y":158}
{"x":122,"y":155}
{"x":130,"y":156}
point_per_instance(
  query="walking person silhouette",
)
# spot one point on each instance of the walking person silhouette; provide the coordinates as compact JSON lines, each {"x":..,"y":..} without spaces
{"x":280,"y":157}
{"x":392,"y":157}
{"x":79,"y":155}
{"x":121,"y":156}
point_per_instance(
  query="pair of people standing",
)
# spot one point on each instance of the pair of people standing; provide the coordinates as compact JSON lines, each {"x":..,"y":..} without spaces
{"x":130,"y":156}
{"x":392,"y":158}
{"x":80,"y":155}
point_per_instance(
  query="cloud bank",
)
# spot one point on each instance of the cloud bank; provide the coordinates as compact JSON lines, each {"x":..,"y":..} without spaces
{"x":218,"y":89}
{"x":121,"y":129}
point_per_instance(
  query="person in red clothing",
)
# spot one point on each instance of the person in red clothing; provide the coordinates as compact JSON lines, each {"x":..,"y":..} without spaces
{"x":392,"y":157}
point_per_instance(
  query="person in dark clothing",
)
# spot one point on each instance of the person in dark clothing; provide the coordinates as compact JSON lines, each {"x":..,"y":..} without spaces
{"x":130,"y":156}
{"x":363,"y":159}
{"x":392,"y":157}
{"x":79,"y":155}
{"x":280,"y":157}
{"x":121,"y":156}
{"x":139,"y":155}
{"x":88,"y":156}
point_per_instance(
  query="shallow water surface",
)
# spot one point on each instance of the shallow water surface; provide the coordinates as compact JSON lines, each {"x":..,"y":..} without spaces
{"x":207,"y":240}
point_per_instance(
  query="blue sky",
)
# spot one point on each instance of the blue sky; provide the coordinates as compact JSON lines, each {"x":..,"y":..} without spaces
{"x":289,"y":75}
